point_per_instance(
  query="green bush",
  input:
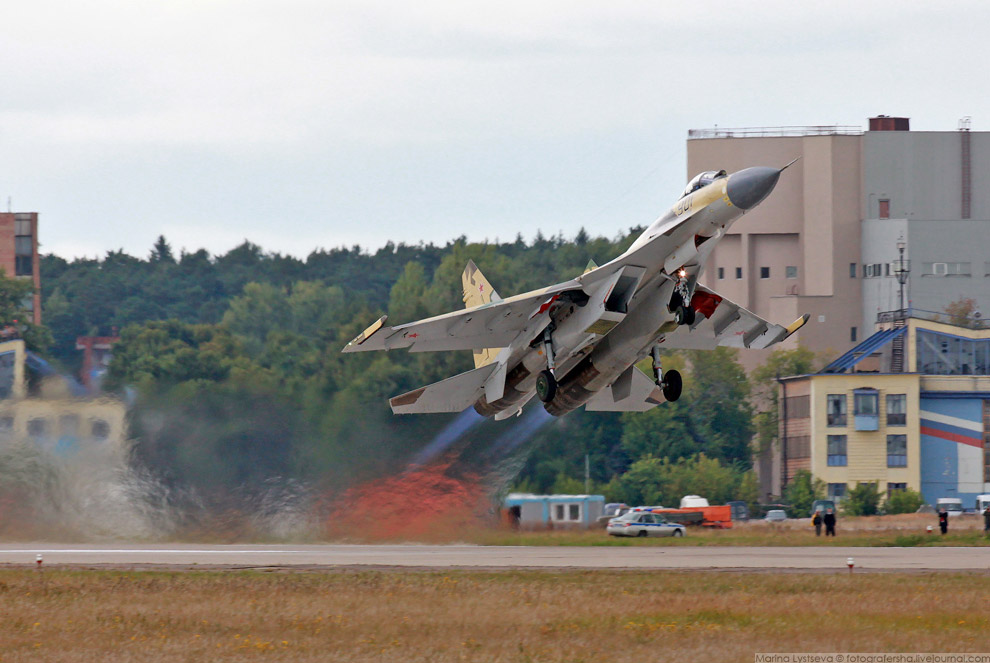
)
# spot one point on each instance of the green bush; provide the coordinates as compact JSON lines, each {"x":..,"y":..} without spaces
{"x":904,"y":501}
{"x":863,"y":500}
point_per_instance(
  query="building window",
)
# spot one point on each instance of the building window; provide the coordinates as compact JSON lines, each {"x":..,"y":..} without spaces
{"x":23,"y":266}
{"x":738,"y":272}
{"x":852,"y":334}
{"x":790,"y":272}
{"x":852,"y":270}
{"x":558,"y":512}
{"x":946,"y":354}
{"x":896,"y":409}
{"x":947,"y":269}
{"x":836,"y":410}
{"x":865,"y":409}
{"x":100,"y":429}
{"x":897,"y":451}
{"x":22,"y":226}
{"x":893,"y":487}
{"x":764,"y":272}
{"x":37,"y":427}
{"x":721,"y":273}
{"x":884,"y":208}
{"x":574,"y":511}
{"x":837,"y":451}
{"x":836,"y":491}
{"x":23,"y":246}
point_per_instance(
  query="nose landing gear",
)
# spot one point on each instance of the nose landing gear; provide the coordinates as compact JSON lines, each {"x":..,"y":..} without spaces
{"x":669,"y":382}
{"x":680,"y":301}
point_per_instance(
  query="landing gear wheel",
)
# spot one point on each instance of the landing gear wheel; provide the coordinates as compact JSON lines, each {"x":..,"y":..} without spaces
{"x":671,"y":385}
{"x":684,"y":315}
{"x":546,"y":386}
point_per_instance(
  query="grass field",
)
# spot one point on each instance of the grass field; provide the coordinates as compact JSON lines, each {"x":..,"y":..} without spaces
{"x":86,"y":615}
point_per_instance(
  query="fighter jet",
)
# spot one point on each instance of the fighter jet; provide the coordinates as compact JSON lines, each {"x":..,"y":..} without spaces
{"x":577,"y":342}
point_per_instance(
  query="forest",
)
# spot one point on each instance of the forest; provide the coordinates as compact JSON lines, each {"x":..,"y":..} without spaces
{"x":233,"y":367}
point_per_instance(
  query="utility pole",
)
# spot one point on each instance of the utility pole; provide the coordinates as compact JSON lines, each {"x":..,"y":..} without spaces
{"x":902,"y":271}
{"x":587,"y":474}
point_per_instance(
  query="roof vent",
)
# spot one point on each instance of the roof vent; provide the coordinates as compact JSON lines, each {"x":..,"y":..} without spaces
{"x":888,"y":123}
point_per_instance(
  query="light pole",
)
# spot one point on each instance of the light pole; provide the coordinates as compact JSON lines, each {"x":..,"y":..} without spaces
{"x":902,"y":271}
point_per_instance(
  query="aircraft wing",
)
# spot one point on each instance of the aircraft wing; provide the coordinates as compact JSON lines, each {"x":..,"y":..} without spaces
{"x":490,"y":325}
{"x":722,"y":322}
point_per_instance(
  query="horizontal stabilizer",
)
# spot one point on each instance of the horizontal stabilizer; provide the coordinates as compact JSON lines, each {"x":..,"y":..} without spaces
{"x":451,"y":395}
{"x":632,"y":391}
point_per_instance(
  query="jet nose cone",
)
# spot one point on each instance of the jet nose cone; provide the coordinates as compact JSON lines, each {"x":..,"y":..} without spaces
{"x":748,"y":187}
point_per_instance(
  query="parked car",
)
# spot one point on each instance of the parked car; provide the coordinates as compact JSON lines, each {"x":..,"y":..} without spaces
{"x":612,"y":510}
{"x":822,"y":505}
{"x":761,"y":510}
{"x":640,"y":523}
{"x":776,"y":516}
{"x":953,"y":505}
{"x":740,"y":510}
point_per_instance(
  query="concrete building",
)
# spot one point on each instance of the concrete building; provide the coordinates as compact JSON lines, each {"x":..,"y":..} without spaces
{"x":19,"y":255}
{"x":925,"y":427}
{"x":50,"y":418}
{"x":795,"y":253}
{"x":825,"y":242}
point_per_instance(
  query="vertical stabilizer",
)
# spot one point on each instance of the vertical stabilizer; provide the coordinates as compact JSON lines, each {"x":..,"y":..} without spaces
{"x":478,"y":291}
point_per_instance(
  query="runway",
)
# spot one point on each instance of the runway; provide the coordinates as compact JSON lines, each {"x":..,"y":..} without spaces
{"x":500,"y":557}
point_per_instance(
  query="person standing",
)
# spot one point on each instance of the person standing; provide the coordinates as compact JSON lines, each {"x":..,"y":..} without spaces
{"x":986,"y":521}
{"x":943,"y":520}
{"x":816,"y":520}
{"x":829,"y":521}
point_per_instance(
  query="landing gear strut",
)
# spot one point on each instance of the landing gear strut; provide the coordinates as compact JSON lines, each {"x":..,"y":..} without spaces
{"x":669,"y":382}
{"x":680,"y":301}
{"x":546,"y":382}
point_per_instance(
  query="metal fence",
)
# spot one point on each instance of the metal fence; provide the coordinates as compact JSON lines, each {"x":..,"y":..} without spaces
{"x":775,"y":132}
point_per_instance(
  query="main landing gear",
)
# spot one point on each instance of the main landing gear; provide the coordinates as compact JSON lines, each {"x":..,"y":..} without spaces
{"x":669,"y":382}
{"x":546,"y":383}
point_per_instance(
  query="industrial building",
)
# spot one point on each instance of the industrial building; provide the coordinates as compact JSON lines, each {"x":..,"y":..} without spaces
{"x":825,"y":242}
{"x":19,"y":255}
{"x":908,"y":407}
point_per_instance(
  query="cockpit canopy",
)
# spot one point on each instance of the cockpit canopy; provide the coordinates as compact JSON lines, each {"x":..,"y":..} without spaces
{"x":703,"y":179}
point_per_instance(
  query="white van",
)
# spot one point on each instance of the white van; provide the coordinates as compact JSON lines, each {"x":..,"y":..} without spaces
{"x":693,"y":502}
{"x":953,"y":505}
{"x":982,"y":502}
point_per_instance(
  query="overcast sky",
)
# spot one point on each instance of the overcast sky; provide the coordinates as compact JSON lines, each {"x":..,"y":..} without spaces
{"x":300,"y":125}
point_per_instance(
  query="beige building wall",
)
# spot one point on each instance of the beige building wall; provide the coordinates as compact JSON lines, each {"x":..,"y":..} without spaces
{"x":810,"y":221}
{"x":866,"y":450}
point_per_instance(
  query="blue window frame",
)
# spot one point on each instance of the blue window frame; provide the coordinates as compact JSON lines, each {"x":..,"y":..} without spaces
{"x":837,"y":451}
{"x":865,"y":409}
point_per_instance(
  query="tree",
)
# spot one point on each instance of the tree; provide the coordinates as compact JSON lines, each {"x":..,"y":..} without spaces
{"x":801,"y":492}
{"x":863,"y":500}
{"x":780,"y":363}
{"x":960,"y":312}
{"x":13,"y":293}
{"x":161,"y":252}
{"x":904,"y":501}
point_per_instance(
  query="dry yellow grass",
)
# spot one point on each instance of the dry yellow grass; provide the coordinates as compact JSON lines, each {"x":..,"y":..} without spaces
{"x":481,"y":616}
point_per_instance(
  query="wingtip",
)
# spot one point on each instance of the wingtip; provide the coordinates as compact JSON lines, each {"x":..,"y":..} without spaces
{"x":797,"y":324}
{"x":353,"y":346}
